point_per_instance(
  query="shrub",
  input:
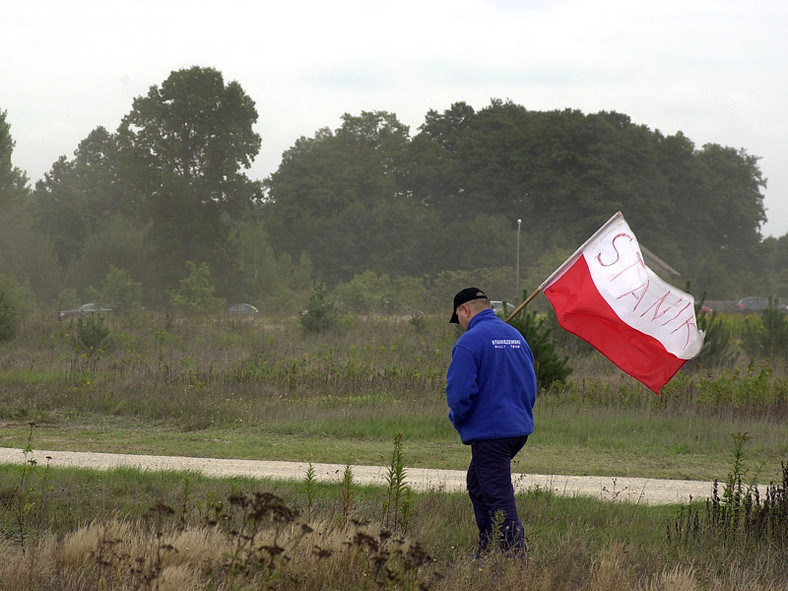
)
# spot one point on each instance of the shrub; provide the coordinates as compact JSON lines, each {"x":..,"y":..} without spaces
{"x":91,"y":336}
{"x":321,"y":314}
{"x":717,"y":343}
{"x":369,"y":292}
{"x":8,"y":319}
{"x":195,"y":293}
{"x":366,"y":292}
{"x":766,"y":335}
{"x":120,"y":291}
{"x":739,"y":516}
{"x":551,"y":367}
{"x":753,"y":389}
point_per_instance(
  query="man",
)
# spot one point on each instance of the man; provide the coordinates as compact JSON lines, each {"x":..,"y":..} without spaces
{"x":491,"y":390}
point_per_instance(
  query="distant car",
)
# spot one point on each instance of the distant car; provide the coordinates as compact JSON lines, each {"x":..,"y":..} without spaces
{"x":84,"y":310}
{"x":242,"y":309}
{"x":754,"y":304}
{"x":498,"y":307}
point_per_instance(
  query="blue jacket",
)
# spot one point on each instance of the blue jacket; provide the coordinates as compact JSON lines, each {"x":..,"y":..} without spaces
{"x":491,"y":383}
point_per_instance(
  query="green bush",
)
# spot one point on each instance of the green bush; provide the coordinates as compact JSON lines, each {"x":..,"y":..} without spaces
{"x":195,"y":293}
{"x":369,"y":292}
{"x":754,"y":389}
{"x":120,"y":291}
{"x":321,"y":314}
{"x":9,"y":322}
{"x":739,"y":517}
{"x":718,"y":348}
{"x":551,"y":367}
{"x":766,"y":335}
{"x":91,"y":336}
{"x":366,"y":292}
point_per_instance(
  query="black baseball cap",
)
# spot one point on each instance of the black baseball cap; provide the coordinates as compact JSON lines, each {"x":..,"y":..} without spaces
{"x":465,"y":296}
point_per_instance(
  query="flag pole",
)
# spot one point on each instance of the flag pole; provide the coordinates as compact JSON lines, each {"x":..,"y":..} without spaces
{"x":523,"y":305}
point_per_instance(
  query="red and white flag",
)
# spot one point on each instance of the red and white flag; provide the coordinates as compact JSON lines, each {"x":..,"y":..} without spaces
{"x":605,"y":294}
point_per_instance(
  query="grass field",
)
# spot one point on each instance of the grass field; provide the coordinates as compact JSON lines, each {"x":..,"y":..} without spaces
{"x":264,"y":390}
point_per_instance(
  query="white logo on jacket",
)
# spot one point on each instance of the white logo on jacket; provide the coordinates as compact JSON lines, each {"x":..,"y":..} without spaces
{"x":503,"y":343}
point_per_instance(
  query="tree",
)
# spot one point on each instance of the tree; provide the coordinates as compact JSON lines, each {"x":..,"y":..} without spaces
{"x":9,"y":322}
{"x":366,"y":293}
{"x":120,"y":291}
{"x":777,"y":264}
{"x":184,"y":145}
{"x":564,"y":173}
{"x":13,"y":181}
{"x":255,"y":263}
{"x":327,"y":188}
{"x":76,"y":196}
{"x":115,"y":242}
{"x":27,"y":256}
{"x":16,"y":303}
{"x":321,"y":314}
{"x":482,"y":241}
{"x":686,"y":205}
{"x":734,"y":182}
{"x":265,"y":279}
{"x":550,"y":363}
{"x":367,"y":197}
{"x":493,"y":153}
{"x":195,"y":293}
{"x":447,"y":128}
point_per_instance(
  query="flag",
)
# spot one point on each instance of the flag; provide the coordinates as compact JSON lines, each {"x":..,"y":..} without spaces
{"x":606,"y":295}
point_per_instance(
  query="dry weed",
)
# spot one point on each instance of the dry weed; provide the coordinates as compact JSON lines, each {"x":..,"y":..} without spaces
{"x":610,"y":570}
{"x":181,"y":577}
{"x":679,"y":578}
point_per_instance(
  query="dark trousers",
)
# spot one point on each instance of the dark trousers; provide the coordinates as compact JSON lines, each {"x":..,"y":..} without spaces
{"x":491,"y":491}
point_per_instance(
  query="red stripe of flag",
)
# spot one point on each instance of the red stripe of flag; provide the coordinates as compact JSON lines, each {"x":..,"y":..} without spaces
{"x":583,"y":311}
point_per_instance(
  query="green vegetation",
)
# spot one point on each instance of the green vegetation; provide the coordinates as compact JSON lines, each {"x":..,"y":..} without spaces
{"x":8,"y":319}
{"x":126,"y":529}
{"x":266,"y":389}
{"x":718,"y":343}
{"x":767,"y":335}
{"x":119,"y":288}
{"x":320,"y":314}
{"x":194,"y":295}
{"x":382,"y":216}
{"x":159,"y":222}
{"x":90,"y":336}
{"x":551,"y":366}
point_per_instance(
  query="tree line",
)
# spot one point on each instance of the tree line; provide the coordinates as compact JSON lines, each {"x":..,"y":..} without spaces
{"x":167,"y":192}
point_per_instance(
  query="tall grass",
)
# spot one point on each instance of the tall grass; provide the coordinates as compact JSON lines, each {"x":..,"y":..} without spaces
{"x":264,"y":389}
{"x":127,"y":529}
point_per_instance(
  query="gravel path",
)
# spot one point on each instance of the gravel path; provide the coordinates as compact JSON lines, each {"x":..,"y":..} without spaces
{"x":630,"y":490}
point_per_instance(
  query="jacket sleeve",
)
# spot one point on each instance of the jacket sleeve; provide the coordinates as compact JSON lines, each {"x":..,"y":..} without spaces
{"x":462,"y":385}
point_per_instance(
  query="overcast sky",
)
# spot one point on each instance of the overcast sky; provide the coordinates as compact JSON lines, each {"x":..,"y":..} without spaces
{"x":716,"y":70}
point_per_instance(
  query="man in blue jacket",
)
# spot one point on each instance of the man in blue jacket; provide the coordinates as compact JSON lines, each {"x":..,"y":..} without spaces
{"x":491,"y":390}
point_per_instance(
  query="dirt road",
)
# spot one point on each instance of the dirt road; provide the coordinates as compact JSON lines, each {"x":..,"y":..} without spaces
{"x":629,"y":490}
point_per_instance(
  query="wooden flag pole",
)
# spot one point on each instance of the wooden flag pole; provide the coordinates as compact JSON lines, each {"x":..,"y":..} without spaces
{"x":523,"y":305}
